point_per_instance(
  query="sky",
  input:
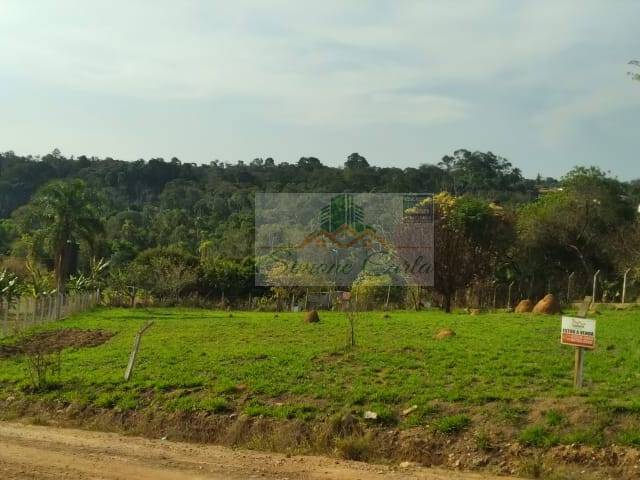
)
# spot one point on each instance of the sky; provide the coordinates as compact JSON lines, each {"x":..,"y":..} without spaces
{"x":542,"y":83}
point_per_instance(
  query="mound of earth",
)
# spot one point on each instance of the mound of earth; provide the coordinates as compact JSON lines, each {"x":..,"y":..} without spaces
{"x":444,"y":333}
{"x":311,"y":317}
{"x":55,"y":340}
{"x":549,"y":305}
{"x":525,"y":306}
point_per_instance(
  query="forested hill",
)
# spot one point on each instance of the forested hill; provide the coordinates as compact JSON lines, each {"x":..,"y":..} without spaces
{"x":162,"y":203}
{"x":188,"y":186}
{"x":198,"y":219}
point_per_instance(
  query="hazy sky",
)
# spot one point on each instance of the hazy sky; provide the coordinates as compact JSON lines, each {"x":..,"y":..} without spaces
{"x":402,"y":82}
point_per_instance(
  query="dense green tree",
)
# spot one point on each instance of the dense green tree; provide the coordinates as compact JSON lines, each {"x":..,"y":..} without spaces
{"x":62,"y":214}
{"x":471,"y":239}
{"x":477,"y":172}
{"x":226,"y":278}
{"x":166,"y":273}
{"x":355,"y":160}
{"x":572,"y":226}
{"x":7,"y":236}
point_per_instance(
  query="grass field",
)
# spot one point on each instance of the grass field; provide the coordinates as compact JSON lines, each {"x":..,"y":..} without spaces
{"x":263,"y":364}
{"x":499,"y":367}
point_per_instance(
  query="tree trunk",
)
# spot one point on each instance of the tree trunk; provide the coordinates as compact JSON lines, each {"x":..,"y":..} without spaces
{"x":59,"y":271}
{"x":416,"y":298}
{"x":66,"y":261}
{"x":446,"y":303}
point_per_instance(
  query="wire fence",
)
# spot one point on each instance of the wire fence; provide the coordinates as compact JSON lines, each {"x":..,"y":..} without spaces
{"x":569,"y":289}
{"x":480,"y":295}
{"x":25,"y":312}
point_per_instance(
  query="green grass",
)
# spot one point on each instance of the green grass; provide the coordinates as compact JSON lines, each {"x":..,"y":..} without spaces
{"x":260,"y":365}
{"x":554,"y":418}
{"x":538,"y":436}
{"x":452,"y":424}
{"x":591,"y":436}
{"x":630,"y":437}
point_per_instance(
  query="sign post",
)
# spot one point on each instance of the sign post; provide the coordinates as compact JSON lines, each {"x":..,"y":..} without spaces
{"x":578,"y":369}
{"x":580,"y":333}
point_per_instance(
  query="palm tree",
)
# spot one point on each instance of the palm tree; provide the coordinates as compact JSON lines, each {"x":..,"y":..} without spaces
{"x":68,"y":215}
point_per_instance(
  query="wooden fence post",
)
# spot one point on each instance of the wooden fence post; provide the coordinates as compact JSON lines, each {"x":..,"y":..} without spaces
{"x":5,"y":319}
{"x":18,"y":311}
{"x":386,"y":302}
{"x":134,"y":352}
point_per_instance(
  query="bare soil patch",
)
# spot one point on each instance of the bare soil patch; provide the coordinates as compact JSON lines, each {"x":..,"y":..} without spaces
{"x":55,"y":341}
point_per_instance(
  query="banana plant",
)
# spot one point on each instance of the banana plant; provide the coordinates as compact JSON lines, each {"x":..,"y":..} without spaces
{"x":97,"y":270}
{"x":10,"y":288}
{"x":39,"y":281}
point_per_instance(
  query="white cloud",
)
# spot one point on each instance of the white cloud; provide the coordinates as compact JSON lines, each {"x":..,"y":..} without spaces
{"x":464,"y":65}
{"x":201,"y":49}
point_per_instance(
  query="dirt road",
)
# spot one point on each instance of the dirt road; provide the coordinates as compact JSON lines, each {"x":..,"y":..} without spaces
{"x":45,"y":453}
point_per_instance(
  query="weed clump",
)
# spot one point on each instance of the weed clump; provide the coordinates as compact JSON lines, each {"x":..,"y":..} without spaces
{"x":354,"y":448}
{"x":554,"y":418}
{"x":630,"y":438}
{"x":452,"y":424}
{"x":538,"y":436}
{"x":532,"y":467}
{"x":483,"y":441}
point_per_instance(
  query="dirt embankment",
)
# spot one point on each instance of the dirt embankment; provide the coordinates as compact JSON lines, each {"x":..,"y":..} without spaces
{"x":485,"y":451}
{"x":45,"y":453}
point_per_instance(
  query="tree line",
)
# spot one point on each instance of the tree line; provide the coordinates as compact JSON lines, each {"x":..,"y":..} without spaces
{"x":174,"y":230}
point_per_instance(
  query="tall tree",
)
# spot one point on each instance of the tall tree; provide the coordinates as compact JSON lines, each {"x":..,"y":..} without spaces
{"x":570,"y":228}
{"x":66,"y":214}
{"x":471,"y":238}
